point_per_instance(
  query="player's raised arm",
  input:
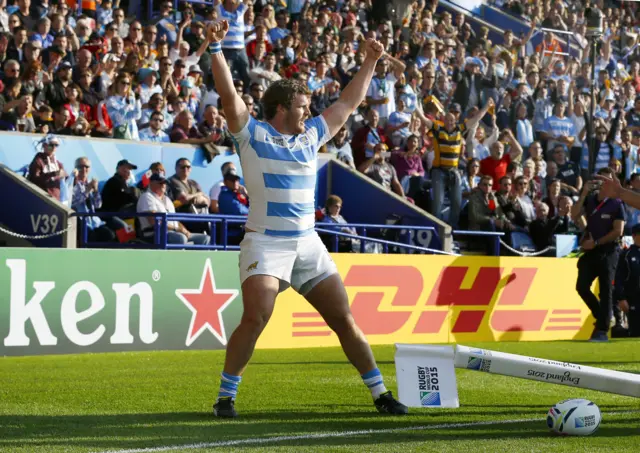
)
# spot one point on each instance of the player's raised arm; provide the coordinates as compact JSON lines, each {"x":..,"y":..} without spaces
{"x":354,"y":93}
{"x":234,"y":107}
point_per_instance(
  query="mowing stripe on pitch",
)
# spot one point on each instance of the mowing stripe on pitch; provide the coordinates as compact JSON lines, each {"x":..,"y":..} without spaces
{"x":325,"y":435}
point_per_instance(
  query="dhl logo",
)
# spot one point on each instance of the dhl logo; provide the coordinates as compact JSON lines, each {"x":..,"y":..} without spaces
{"x":471,"y":304}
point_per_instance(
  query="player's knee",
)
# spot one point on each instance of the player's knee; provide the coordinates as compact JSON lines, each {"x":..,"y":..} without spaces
{"x":341,"y":324}
{"x":256,"y":320}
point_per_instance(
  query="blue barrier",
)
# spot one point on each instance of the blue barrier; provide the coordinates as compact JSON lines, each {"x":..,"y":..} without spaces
{"x":494,"y":235}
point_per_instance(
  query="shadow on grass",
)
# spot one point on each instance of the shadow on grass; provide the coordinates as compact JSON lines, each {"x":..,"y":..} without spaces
{"x":335,"y":362}
{"x":154,"y":430}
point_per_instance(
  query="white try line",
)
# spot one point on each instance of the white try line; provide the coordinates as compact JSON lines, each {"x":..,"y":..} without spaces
{"x":333,"y":434}
{"x":324,"y":435}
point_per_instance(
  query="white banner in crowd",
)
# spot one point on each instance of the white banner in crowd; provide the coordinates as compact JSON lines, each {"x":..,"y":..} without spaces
{"x":426,"y":376}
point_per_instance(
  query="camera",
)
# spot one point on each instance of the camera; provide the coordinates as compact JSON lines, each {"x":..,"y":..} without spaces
{"x":595,"y":22}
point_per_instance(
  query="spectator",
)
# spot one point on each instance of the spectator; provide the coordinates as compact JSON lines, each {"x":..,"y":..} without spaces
{"x":332,"y":215}
{"x":232,"y":199}
{"x":55,"y":93}
{"x":477,"y":143}
{"x":367,"y":138}
{"x":445,"y":177}
{"x":155,"y":200}
{"x":86,"y":199}
{"x":61,"y":117}
{"x":214,"y":192}
{"x":187,"y":193}
{"x":523,"y":202}
{"x":553,"y":197}
{"x":524,"y":129}
{"x":398,"y":125}
{"x":558,"y":129}
{"x":156,"y":104}
{"x":496,"y":164}
{"x":534,"y":186}
{"x":535,"y":154}
{"x":565,"y":224}
{"x":184,"y":131}
{"x":408,"y":166}
{"x":380,"y":95}
{"x":214,"y":125}
{"x":45,"y":170}
{"x":340,"y":147}
{"x":117,"y":193}
{"x":604,"y":142}
{"x":543,"y":228}
{"x":469,"y":85}
{"x":471,"y":178}
{"x":75,"y":106}
{"x":483,"y":208}
{"x":378,"y":168}
{"x":124,"y":109}
{"x":154,"y":132}
{"x":233,"y":43}
{"x":568,"y":172}
{"x":20,"y":117}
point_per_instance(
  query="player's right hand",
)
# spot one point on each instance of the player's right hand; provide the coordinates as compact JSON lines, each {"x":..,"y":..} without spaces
{"x":217,"y":31}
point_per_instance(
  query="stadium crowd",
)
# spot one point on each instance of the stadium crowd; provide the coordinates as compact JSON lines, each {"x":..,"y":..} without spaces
{"x":485,"y":134}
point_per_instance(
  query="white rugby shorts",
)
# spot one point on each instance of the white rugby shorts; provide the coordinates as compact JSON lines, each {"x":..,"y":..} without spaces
{"x":301,"y":262}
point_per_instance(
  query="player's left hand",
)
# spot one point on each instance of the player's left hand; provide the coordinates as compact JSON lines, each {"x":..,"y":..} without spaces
{"x":375,"y":49}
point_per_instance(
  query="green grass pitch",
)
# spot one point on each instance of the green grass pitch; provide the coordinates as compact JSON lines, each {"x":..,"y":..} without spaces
{"x":312,"y":398}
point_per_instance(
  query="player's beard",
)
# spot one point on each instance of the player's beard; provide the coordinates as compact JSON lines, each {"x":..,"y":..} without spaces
{"x":297,"y":124}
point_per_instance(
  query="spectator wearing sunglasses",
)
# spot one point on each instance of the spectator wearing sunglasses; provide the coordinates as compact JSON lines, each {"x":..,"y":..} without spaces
{"x":124,"y":109}
{"x":154,"y":132}
{"x":187,"y":193}
{"x":87,"y":198}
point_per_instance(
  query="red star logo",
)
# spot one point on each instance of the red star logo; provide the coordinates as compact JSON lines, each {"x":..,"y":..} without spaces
{"x":207,"y":304}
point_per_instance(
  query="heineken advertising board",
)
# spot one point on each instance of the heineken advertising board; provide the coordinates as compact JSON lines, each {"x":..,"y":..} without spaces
{"x":70,"y":301}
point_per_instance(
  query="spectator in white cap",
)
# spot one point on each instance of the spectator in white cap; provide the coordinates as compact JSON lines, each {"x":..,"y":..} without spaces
{"x":45,"y":170}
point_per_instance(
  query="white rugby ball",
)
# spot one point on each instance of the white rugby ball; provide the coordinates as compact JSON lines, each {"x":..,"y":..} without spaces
{"x":575,"y":417}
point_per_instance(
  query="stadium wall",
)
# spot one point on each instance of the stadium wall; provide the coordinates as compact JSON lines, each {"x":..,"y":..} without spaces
{"x":77,"y":301}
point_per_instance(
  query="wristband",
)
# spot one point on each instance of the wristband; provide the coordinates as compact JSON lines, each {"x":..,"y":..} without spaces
{"x":215,"y":48}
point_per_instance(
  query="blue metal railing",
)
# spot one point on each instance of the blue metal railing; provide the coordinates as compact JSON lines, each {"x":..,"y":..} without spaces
{"x":215,"y":221}
{"x":363,"y":229}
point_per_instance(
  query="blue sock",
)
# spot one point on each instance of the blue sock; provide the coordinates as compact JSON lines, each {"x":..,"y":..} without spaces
{"x":373,"y":380}
{"x":229,"y":385}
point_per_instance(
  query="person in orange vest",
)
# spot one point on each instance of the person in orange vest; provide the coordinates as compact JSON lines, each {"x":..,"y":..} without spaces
{"x":88,"y":7}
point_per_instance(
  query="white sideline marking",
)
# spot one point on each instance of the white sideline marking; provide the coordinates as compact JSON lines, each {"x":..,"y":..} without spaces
{"x":325,"y":435}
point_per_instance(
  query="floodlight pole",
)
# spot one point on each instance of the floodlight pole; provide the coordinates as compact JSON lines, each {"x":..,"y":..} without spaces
{"x":592,"y":108}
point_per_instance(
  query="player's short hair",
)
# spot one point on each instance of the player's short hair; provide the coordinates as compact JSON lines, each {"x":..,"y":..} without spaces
{"x":282,"y":92}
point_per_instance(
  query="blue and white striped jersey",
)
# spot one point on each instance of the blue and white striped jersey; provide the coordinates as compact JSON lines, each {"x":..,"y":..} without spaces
{"x":235,"y":36}
{"x":280,"y":175}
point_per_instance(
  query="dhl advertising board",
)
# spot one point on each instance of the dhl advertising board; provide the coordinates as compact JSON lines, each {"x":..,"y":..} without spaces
{"x":442,"y":299}
{"x":73,"y":301}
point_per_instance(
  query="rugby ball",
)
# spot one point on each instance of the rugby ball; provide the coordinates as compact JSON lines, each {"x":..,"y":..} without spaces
{"x":575,"y":417}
